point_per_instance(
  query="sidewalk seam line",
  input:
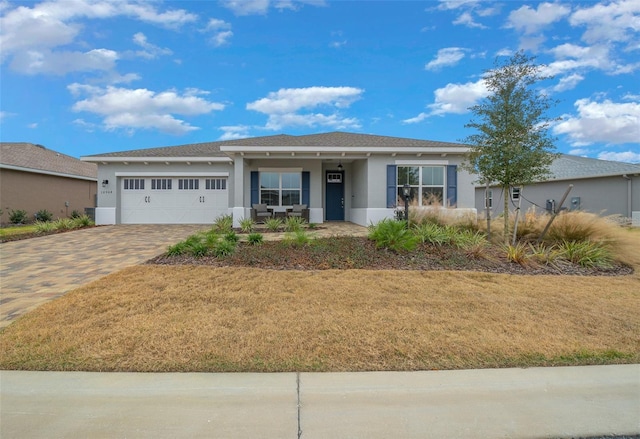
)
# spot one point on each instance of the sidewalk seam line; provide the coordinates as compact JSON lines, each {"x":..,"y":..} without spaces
{"x":298,"y":392}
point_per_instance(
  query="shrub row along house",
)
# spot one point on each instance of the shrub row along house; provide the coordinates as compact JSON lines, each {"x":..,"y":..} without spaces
{"x":34,"y":178}
{"x":338,"y":176}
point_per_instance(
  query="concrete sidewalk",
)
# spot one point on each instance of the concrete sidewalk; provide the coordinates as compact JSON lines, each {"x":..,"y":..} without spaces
{"x":496,"y":403}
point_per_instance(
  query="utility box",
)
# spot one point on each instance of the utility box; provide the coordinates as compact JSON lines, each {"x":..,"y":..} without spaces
{"x":551,"y":206}
{"x":575,"y":203}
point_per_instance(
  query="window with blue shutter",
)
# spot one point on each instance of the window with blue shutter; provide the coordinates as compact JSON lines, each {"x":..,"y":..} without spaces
{"x":391,"y":185}
{"x":452,"y":185}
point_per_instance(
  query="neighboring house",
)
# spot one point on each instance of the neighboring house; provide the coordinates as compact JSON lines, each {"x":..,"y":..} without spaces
{"x":33,"y":178}
{"x":599,"y":186}
{"x":339,"y":176}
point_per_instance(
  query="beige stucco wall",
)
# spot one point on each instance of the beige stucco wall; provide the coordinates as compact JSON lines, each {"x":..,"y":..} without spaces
{"x":32,"y":192}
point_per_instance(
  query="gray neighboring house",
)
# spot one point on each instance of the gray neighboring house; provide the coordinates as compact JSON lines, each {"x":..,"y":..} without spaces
{"x":33,"y":178}
{"x":339,"y":176}
{"x":599,"y":186}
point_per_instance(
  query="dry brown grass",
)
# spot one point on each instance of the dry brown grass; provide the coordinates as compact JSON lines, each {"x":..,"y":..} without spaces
{"x":185,"y":318}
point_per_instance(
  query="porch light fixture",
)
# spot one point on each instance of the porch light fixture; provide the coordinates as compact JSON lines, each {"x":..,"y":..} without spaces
{"x":406,"y":192}
{"x":340,"y":167}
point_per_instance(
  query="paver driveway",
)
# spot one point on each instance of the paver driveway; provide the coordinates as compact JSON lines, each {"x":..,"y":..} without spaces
{"x":33,"y":271}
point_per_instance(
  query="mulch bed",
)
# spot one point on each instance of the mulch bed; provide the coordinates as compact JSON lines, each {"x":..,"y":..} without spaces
{"x":361,"y":253}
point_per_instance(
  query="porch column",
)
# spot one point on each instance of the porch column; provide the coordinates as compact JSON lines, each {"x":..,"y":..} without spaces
{"x":238,"y":190}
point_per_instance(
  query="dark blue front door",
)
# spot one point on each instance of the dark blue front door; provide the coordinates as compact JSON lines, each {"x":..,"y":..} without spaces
{"x":335,"y":195}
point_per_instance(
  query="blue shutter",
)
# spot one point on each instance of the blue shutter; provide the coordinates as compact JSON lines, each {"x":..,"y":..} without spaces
{"x":255,"y":187}
{"x":392,"y":184}
{"x":306,"y":183}
{"x":452,"y":185}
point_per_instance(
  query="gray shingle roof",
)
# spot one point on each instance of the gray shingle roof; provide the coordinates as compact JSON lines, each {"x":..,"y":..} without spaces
{"x":567,"y":167}
{"x":39,"y":158}
{"x":212,"y":149}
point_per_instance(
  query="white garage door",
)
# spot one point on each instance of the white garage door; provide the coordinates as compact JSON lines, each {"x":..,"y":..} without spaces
{"x":176,"y":200}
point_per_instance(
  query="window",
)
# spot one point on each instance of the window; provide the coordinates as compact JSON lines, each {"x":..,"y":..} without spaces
{"x":188,"y":184}
{"x":133,"y":184}
{"x":488,"y":199}
{"x":161,"y":184}
{"x":427,"y":184}
{"x":217,"y":184}
{"x":280,"y":188}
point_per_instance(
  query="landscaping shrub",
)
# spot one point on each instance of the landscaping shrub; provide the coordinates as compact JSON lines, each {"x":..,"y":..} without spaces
{"x":199,"y":249}
{"x":393,"y":235}
{"x":294,"y":223}
{"x":75,"y":214}
{"x":586,"y":253}
{"x":45,"y":227}
{"x":517,"y":253}
{"x":247,"y":225}
{"x":223,"y":223}
{"x":543,"y":254}
{"x":255,"y":238}
{"x":273,"y":224}
{"x":82,"y":221}
{"x":231,"y":237}
{"x":297,"y":238}
{"x":431,"y":233}
{"x":177,"y":249}
{"x":64,"y":224}
{"x":44,"y":215}
{"x":223,"y":248}
{"x":17,"y":216}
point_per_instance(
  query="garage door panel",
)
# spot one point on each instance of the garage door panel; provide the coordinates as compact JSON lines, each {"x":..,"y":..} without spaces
{"x":172,"y":205}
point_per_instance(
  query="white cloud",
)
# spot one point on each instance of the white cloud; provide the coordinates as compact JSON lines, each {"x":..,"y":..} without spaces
{"x":606,"y":122}
{"x":284,"y":106}
{"x":61,"y":62}
{"x":131,"y":109}
{"x":466,"y":19}
{"x":29,"y":33}
{"x":453,"y":99}
{"x":232,"y":132}
{"x":446,"y":57}
{"x":33,"y":125}
{"x":530,"y":21}
{"x":568,"y":83}
{"x":261,"y":7}
{"x":150,"y":51}
{"x":607,"y":22}
{"x":624,"y":156}
{"x":5,"y":114}
{"x":221,"y":32}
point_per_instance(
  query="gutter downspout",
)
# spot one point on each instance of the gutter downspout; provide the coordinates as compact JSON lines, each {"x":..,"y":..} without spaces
{"x":626,"y":177}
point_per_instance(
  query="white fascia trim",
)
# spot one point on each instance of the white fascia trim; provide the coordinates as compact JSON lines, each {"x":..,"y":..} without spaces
{"x":422,"y":162}
{"x":350,"y":149}
{"x":40,"y":171}
{"x":172,"y":174}
{"x":156,"y":159}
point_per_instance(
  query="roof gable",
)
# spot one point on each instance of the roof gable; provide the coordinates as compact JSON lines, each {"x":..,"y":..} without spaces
{"x":37,"y":158}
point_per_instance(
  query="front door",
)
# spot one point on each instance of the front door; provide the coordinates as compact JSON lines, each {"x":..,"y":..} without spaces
{"x":335,"y":195}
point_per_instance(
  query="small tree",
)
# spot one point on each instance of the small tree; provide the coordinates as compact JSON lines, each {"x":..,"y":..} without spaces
{"x":512,"y":146}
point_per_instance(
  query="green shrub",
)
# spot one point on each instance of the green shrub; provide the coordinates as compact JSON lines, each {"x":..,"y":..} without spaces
{"x":586,"y":253}
{"x":223,"y":223}
{"x":223,"y":248}
{"x":294,"y":223}
{"x":312,"y":226}
{"x":44,"y":215}
{"x":255,"y":238}
{"x":393,"y":235}
{"x":64,"y":224}
{"x":44,"y":227}
{"x":177,"y":249}
{"x":231,"y":237}
{"x":82,"y":221}
{"x":543,"y":254}
{"x":297,"y":238}
{"x":273,"y":224}
{"x":17,"y":216}
{"x":247,"y":225}
{"x":198,"y":249}
{"x":432,"y":233}
{"x":76,"y":214}
{"x":464,"y":238}
{"x":517,"y":253}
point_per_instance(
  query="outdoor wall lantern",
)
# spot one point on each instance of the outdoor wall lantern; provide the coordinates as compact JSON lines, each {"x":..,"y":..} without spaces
{"x":105,"y":182}
{"x":406,"y":192}
{"x":340,"y":167}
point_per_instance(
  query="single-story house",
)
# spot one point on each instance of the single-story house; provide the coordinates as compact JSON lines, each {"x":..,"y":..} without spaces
{"x":34,"y":178}
{"x":339,"y":176}
{"x":599,"y":186}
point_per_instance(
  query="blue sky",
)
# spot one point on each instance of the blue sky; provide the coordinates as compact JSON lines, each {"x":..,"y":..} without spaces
{"x":84,"y":77}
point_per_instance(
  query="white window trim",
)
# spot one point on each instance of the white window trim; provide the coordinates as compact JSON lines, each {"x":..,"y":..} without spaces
{"x":421,"y":186}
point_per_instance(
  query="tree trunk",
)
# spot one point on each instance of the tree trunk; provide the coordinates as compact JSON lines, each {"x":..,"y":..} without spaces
{"x":505,"y":191}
